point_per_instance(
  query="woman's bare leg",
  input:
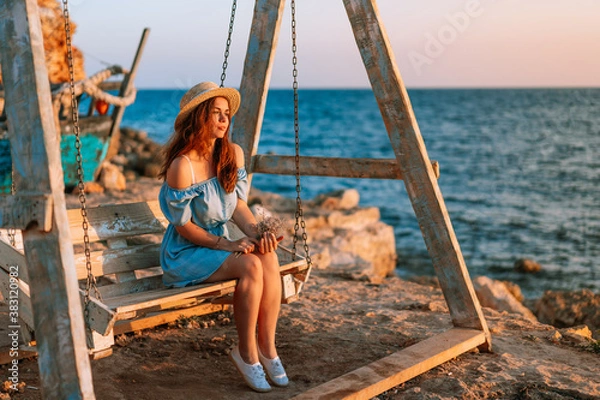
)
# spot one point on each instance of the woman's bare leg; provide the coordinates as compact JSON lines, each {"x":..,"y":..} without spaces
{"x":248,"y":270}
{"x":270,"y":303}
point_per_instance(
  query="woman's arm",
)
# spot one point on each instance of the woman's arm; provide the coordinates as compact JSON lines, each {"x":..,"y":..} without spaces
{"x":245,"y":220}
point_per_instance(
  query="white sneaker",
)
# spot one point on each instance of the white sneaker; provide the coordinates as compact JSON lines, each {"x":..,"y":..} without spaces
{"x":274,"y":369}
{"x":253,"y":374}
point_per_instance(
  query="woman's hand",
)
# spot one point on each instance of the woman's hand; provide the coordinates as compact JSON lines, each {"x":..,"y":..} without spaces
{"x":268,"y":243}
{"x":244,"y":245}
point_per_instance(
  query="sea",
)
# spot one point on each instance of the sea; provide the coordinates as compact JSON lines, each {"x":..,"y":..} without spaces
{"x":520,"y":171}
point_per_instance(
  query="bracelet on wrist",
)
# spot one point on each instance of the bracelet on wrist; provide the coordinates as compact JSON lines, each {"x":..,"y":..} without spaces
{"x":217,"y":243}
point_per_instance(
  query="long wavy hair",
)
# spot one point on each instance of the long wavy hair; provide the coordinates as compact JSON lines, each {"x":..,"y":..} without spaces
{"x":193,"y":133}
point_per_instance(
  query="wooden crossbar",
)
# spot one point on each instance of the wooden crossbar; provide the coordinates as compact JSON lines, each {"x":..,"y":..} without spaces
{"x":384,"y":374}
{"x":372,"y":168}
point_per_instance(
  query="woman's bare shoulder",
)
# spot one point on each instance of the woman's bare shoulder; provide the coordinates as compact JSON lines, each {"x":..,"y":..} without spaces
{"x":178,"y":174}
{"x":239,"y":155}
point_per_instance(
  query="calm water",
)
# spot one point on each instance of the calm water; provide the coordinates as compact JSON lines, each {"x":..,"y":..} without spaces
{"x":519,"y":171}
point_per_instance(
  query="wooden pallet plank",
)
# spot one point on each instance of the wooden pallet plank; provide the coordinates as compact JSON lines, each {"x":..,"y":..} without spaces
{"x":100,"y":317}
{"x":165,"y":317}
{"x":145,"y":256}
{"x":370,"y":168}
{"x":11,"y":257}
{"x":113,"y":261}
{"x":118,"y":221}
{"x":152,"y":298}
{"x":384,"y":374}
{"x":130,"y":289}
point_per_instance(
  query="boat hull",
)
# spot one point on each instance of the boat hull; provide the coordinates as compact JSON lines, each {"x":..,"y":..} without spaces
{"x":95,"y":146}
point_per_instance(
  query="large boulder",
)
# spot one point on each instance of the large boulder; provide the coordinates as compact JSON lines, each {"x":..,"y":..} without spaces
{"x":346,"y":240}
{"x":496,"y":295}
{"x":565,"y":309}
{"x":359,"y":244}
{"x":111,"y":177}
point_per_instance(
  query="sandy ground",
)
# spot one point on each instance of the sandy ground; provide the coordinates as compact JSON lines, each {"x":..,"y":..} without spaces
{"x":336,"y":327}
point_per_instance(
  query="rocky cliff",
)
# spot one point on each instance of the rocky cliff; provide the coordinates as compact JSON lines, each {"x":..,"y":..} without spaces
{"x":53,"y":30}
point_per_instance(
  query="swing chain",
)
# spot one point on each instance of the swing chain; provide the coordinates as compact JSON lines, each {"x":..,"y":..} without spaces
{"x":299,"y":212}
{"x":91,"y":279}
{"x":228,"y":44}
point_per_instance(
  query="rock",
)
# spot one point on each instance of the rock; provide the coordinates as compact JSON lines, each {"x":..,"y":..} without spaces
{"x":141,"y":136}
{"x":350,"y":242}
{"x":321,"y":259}
{"x":152,"y":169}
{"x":260,"y":212}
{"x":579,"y":334}
{"x":91,"y":187}
{"x":353,"y":267}
{"x":555,"y":337}
{"x":339,"y":200}
{"x":119,"y":159}
{"x":565,"y":309}
{"x":130,"y":175}
{"x":355,"y":220}
{"x":112,"y":178}
{"x":527,"y":266}
{"x":374,"y":244}
{"x":128,"y":133}
{"x":495,"y":295}
{"x":515,"y":290}
{"x":425,"y":280}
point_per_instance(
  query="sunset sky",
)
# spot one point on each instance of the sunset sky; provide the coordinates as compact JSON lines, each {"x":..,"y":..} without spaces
{"x":437,"y":43}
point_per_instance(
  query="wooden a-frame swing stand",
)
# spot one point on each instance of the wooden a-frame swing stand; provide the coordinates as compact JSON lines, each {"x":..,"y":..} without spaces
{"x":39,"y":207}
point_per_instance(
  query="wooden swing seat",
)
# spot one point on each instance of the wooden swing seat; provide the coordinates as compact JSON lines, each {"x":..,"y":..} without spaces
{"x":125,"y":249}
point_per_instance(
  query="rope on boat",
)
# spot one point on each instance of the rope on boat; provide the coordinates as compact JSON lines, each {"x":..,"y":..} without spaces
{"x":62,"y":95}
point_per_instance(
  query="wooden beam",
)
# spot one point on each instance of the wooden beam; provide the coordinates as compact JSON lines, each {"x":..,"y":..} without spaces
{"x":328,"y":166}
{"x":59,"y":328}
{"x":256,"y":76}
{"x":126,"y":87}
{"x":384,"y":374}
{"x":411,"y":154}
{"x":20,"y":210}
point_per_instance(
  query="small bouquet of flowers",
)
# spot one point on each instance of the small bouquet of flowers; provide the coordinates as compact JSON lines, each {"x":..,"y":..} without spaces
{"x":272,"y":224}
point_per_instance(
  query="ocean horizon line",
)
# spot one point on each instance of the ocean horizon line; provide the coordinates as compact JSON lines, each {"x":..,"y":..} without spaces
{"x":408,"y":88}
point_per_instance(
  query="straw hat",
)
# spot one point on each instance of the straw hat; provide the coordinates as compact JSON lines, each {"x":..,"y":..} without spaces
{"x":204,"y":91}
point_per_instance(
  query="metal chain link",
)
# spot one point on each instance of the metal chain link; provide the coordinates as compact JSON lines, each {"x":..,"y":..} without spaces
{"x":299,"y":212}
{"x":91,"y":279}
{"x":228,"y":44}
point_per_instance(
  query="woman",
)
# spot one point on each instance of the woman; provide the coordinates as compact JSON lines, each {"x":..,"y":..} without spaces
{"x":205,"y":185}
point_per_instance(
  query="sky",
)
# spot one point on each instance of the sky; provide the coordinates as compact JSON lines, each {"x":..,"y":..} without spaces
{"x":436,"y":43}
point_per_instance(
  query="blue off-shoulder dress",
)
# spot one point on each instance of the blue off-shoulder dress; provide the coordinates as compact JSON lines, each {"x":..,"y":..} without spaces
{"x":207,"y":205}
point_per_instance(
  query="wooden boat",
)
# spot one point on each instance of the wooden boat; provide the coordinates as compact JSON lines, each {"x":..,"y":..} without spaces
{"x":99,"y":126}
